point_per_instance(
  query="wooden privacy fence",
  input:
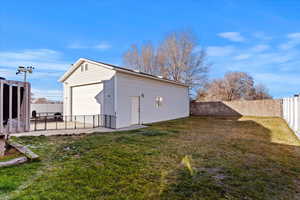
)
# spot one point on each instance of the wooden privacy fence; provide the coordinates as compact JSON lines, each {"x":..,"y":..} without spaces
{"x":291,"y":113}
{"x":14,"y":106}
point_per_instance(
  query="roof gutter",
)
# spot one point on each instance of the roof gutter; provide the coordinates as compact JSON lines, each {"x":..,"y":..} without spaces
{"x":150,"y":77}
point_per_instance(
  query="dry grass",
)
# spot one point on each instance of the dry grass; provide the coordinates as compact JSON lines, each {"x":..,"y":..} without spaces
{"x":246,"y":157}
{"x":229,"y":158}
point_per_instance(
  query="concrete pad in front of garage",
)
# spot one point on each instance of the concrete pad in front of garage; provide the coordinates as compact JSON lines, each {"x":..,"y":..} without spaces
{"x":74,"y":131}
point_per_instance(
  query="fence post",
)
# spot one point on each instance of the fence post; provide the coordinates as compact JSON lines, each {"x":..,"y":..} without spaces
{"x":99,"y":120}
{"x":286,"y":109}
{"x":45,"y":123}
{"x":283,"y":108}
{"x":93,"y":121}
{"x":35,"y":121}
{"x":298,"y":118}
{"x":66,"y":122}
{"x":83,"y":121}
{"x":55,"y":122}
{"x":289,"y":113}
{"x":292,"y":113}
{"x":75,"y":121}
{"x":297,"y":114}
{"x":109,"y":121}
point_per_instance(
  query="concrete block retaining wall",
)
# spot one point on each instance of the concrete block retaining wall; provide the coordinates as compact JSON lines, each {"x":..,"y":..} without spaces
{"x":263,"y":108}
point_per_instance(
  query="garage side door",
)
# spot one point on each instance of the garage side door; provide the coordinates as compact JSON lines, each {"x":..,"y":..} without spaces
{"x":135,"y":106}
{"x":86,"y":100}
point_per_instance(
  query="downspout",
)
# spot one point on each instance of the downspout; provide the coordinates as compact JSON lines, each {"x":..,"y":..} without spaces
{"x":115,"y":99}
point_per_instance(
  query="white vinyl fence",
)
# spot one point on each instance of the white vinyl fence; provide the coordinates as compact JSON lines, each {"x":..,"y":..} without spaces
{"x":291,"y":113}
{"x":46,"y":109}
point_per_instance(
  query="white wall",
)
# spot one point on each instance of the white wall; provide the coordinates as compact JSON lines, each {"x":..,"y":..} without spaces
{"x":109,"y":96}
{"x":175,"y":99}
{"x":291,"y":113}
{"x":46,"y":108}
{"x":119,"y":87}
{"x":87,"y":100}
{"x":94,"y":74}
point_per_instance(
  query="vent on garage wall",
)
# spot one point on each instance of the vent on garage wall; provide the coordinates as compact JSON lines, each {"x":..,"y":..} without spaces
{"x":84,"y":68}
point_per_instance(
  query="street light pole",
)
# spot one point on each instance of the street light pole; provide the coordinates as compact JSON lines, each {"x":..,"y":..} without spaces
{"x":25,"y":70}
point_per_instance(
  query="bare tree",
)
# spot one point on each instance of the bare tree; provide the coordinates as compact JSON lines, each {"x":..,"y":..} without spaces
{"x":213,"y":91}
{"x":183,"y":60}
{"x":143,"y":59}
{"x":261,"y":92}
{"x":178,"y":58}
{"x":234,"y":86}
{"x":238,"y":85}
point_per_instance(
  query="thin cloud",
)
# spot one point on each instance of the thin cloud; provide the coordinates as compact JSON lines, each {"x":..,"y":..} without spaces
{"x":278,"y":83}
{"x":232,"y":36}
{"x":220,"y":50}
{"x":242,"y":57}
{"x":100,"y":46}
{"x":44,"y":59}
{"x":277,"y":68}
{"x":30,"y":54}
{"x":103,"y":46}
{"x":77,"y":46}
{"x":293,"y":41}
{"x":262,"y":36}
{"x":260,"y":48}
{"x":294,"y":35}
{"x":11,"y":74}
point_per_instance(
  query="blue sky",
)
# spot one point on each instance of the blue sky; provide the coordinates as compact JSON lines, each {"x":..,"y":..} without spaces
{"x":258,"y":37}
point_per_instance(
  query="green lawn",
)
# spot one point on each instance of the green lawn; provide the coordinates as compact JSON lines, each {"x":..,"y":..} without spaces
{"x":247,"y":158}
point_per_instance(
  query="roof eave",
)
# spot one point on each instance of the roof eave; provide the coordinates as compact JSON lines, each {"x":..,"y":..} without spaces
{"x":80,"y":60}
{"x":151,"y":77}
{"x":76,"y":65}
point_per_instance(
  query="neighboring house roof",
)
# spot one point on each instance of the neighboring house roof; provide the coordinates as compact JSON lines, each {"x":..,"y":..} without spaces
{"x":116,"y":68}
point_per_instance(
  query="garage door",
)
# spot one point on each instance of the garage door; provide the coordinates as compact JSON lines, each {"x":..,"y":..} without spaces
{"x":86,"y":100}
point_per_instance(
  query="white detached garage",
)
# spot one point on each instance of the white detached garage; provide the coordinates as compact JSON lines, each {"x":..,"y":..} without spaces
{"x":96,"y":88}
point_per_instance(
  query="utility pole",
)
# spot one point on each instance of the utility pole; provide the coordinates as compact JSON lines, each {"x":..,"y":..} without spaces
{"x":25,"y":70}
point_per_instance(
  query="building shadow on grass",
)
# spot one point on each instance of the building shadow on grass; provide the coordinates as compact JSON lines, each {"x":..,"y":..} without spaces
{"x":235,"y":158}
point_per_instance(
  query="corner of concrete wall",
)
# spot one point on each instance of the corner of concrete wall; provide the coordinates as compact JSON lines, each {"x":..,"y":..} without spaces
{"x":262,"y":108}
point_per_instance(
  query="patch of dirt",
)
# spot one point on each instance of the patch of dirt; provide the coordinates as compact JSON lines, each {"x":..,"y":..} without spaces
{"x":215,"y":173}
{"x":297,"y":185}
{"x":2,"y":146}
{"x":10,"y":153}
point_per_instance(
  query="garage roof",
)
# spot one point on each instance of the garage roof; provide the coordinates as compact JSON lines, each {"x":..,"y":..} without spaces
{"x":116,"y":68}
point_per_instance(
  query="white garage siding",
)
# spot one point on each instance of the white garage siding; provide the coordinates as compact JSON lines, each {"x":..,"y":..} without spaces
{"x":109,"y":97}
{"x":130,"y":96}
{"x":175,"y":99}
{"x":87,"y":99}
{"x":78,"y":78}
